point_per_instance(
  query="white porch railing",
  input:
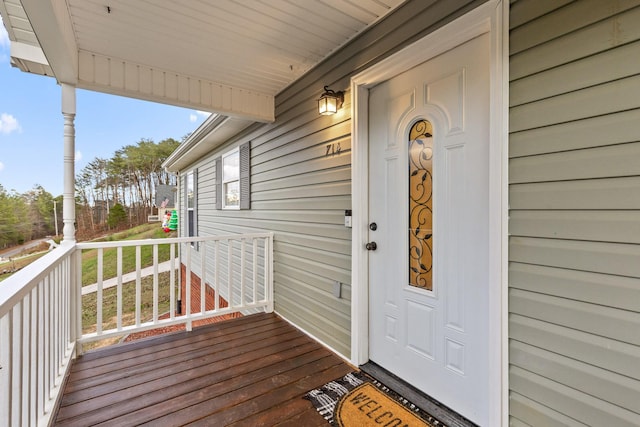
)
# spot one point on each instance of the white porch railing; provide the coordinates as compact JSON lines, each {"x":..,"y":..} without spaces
{"x":41,"y":307}
{"x":36,"y":337}
{"x":237,"y":268}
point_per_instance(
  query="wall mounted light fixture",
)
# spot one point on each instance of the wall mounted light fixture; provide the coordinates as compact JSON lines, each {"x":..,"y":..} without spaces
{"x":330,"y":101}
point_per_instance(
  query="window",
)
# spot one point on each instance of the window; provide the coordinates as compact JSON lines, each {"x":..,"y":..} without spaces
{"x":233,"y":178}
{"x":191,"y":203}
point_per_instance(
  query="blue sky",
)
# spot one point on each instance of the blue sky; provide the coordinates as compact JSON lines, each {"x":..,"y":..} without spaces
{"x":31,"y":126}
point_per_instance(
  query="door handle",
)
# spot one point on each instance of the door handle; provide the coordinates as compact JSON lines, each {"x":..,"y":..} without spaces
{"x":371,"y":246}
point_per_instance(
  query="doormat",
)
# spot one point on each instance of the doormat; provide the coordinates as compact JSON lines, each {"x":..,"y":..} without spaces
{"x":357,"y":400}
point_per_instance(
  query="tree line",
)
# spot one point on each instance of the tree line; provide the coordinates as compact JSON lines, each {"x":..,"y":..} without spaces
{"x":127,"y":182}
{"x":28,"y":216}
{"x":110,"y":193}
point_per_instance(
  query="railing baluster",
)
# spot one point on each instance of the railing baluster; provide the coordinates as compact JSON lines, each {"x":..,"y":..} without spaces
{"x":188,"y":288}
{"x":17,"y":365}
{"x":60,"y":348}
{"x":24,"y":368}
{"x":66,"y":280}
{"x":55,"y":290}
{"x":268,"y":276}
{"x":242,"y":280}
{"x":6,"y":365}
{"x":138,"y":283}
{"x":63,"y":297}
{"x":33,"y":353}
{"x":119,"y":289}
{"x":48,"y":338}
{"x":230,"y":271}
{"x":78,"y":302}
{"x":216,"y":273}
{"x":254,"y":270}
{"x":23,"y":379}
{"x":203,"y":277}
{"x":99,"y":294}
{"x":41,"y":372}
{"x":155,"y":283}
{"x":62,"y":316}
{"x":172,"y":280}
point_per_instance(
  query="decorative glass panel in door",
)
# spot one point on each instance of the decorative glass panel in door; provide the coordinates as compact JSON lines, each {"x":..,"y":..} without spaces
{"x":421,"y":205}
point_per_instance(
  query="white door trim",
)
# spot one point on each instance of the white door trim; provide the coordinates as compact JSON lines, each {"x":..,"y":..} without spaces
{"x":491,"y":17}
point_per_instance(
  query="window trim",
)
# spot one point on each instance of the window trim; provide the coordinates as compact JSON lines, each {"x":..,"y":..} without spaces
{"x":244,"y":155}
{"x":224,"y":181}
{"x":191,"y":227}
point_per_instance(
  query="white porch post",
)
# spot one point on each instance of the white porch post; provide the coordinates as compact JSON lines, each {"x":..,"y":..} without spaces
{"x":69,"y":204}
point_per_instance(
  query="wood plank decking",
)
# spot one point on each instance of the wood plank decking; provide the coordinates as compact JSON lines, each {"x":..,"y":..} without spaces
{"x":251,"y":371}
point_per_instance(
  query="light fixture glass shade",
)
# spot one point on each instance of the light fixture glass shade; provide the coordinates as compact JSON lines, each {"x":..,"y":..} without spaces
{"x":329,"y":102}
{"x":327,"y":105}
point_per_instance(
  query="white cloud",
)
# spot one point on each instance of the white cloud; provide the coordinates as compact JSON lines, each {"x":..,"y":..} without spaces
{"x":193,"y":117}
{"x":8,"y":123}
{"x":78,"y":155}
{"x":1,"y":166}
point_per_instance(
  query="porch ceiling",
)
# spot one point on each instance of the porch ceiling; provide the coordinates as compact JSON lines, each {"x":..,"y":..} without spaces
{"x":225,"y":56}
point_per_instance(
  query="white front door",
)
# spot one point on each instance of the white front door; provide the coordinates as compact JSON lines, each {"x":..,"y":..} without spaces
{"x":429,"y":200}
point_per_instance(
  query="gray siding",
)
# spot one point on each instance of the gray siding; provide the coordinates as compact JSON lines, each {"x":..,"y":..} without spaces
{"x":299,"y":192}
{"x":574,"y":173}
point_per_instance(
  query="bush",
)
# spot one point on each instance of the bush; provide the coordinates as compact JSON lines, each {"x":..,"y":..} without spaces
{"x":117,"y":216}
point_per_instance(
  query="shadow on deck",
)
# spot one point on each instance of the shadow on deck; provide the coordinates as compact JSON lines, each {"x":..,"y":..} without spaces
{"x":251,"y":371}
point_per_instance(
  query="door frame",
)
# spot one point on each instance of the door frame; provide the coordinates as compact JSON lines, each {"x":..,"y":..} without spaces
{"x":492,"y":18}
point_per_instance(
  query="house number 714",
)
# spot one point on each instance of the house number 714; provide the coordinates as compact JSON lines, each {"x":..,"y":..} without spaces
{"x":333,"y":149}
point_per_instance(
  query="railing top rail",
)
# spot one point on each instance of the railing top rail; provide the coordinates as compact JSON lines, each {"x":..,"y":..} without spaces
{"x":13,"y":289}
{"x":124,"y":243}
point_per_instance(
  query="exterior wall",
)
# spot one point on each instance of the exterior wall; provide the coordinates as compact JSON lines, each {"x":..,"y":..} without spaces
{"x":300,"y":191}
{"x":574,"y":176}
{"x":209,"y":298}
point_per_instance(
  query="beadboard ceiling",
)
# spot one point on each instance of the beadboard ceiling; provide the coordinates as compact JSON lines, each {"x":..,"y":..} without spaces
{"x":242,"y":49}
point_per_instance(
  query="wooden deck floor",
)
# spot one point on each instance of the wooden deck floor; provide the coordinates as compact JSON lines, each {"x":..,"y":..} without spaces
{"x":251,"y":371}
